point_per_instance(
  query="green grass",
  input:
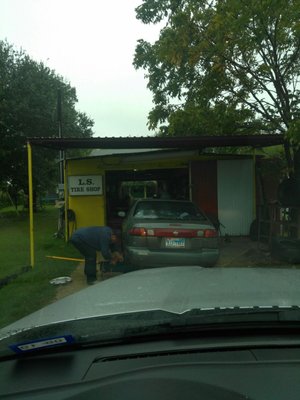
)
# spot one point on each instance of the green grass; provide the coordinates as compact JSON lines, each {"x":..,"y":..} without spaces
{"x":31,"y":290}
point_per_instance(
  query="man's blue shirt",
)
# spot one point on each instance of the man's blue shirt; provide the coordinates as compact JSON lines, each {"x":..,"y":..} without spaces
{"x":97,"y":237}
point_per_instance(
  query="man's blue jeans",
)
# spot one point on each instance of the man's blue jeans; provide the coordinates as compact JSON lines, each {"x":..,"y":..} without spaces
{"x":90,"y":258}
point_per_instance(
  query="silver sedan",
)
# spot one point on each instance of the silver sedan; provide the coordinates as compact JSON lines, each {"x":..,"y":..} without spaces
{"x":168,"y":233}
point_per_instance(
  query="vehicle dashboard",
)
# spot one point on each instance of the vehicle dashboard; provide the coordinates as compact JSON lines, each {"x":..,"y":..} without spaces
{"x":260,"y":367}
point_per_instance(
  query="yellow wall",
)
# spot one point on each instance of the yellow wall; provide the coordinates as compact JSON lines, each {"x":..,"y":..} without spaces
{"x":89,"y":210}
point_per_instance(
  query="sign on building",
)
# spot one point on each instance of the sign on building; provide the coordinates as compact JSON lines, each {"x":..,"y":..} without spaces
{"x":85,"y":185}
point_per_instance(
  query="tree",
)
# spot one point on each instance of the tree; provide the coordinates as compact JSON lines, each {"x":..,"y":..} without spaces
{"x":240,"y":56}
{"x":28,"y":108}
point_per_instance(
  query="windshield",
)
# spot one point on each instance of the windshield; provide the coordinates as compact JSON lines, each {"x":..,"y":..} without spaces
{"x":150,"y":168}
{"x":167,"y":210}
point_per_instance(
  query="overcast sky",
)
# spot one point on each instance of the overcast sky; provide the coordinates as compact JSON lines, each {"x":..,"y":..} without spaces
{"x":91,"y":44}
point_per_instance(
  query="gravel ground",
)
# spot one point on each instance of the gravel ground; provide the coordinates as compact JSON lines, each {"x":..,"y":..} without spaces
{"x":235,"y":252}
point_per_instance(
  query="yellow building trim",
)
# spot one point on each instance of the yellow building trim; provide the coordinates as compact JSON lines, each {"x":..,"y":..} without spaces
{"x":141,"y":162}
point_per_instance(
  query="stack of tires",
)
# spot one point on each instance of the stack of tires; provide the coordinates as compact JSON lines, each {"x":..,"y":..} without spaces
{"x":285,"y":249}
{"x":288,"y":249}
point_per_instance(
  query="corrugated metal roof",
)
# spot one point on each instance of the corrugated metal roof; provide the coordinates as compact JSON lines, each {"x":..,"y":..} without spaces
{"x":155,"y":142}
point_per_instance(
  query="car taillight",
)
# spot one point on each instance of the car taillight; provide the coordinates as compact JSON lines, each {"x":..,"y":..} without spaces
{"x":138,"y":232}
{"x":166,"y":232}
{"x":208,"y":233}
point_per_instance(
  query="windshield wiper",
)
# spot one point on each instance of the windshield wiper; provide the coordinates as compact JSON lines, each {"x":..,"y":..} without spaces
{"x":239,"y":314}
{"x":219,"y":318}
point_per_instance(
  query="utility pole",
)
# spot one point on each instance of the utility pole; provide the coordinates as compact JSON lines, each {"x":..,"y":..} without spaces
{"x":61,"y":188}
{"x":61,"y":152}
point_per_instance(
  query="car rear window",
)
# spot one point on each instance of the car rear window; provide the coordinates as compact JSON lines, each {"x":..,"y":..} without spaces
{"x":167,"y":210}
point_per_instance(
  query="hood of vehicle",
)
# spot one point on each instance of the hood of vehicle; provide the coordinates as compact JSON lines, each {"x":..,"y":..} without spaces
{"x":173,"y":289}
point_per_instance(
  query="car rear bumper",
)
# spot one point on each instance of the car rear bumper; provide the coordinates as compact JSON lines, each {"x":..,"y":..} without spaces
{"x":139,"y":257}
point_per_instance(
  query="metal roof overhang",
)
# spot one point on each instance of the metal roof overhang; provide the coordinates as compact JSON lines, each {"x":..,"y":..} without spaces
{"x":176,"y":142}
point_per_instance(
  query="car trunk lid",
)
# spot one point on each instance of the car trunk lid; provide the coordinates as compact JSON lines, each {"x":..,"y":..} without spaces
{"x":167,"y":235}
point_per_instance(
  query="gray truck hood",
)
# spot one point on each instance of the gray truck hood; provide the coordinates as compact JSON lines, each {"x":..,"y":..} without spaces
{"x":172,"y":289}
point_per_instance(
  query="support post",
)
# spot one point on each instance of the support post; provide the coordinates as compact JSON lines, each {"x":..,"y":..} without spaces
{"x":254,"y":183}
{"x":30,"y":194}
{"x":190,"y":182}
{"x":66,"y":202}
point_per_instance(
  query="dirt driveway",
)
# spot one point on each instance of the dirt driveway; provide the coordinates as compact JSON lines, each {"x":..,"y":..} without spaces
{"x":235,"y":252}
{"x":243,"y":252}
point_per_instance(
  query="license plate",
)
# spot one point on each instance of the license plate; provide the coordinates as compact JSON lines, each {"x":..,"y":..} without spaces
{"x":177,"y":243}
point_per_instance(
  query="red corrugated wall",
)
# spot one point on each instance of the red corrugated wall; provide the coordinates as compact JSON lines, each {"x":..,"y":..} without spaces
{"x":204,"y":186}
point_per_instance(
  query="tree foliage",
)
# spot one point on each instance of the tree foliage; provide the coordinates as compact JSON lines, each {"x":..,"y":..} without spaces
{"x":28,"y":108}
{"x":222,"y":66}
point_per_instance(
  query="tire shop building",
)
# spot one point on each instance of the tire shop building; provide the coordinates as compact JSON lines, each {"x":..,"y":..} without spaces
{"x":99,"y":187}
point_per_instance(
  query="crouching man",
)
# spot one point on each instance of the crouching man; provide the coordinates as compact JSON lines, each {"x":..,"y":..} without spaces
{"x":91,"y":239}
